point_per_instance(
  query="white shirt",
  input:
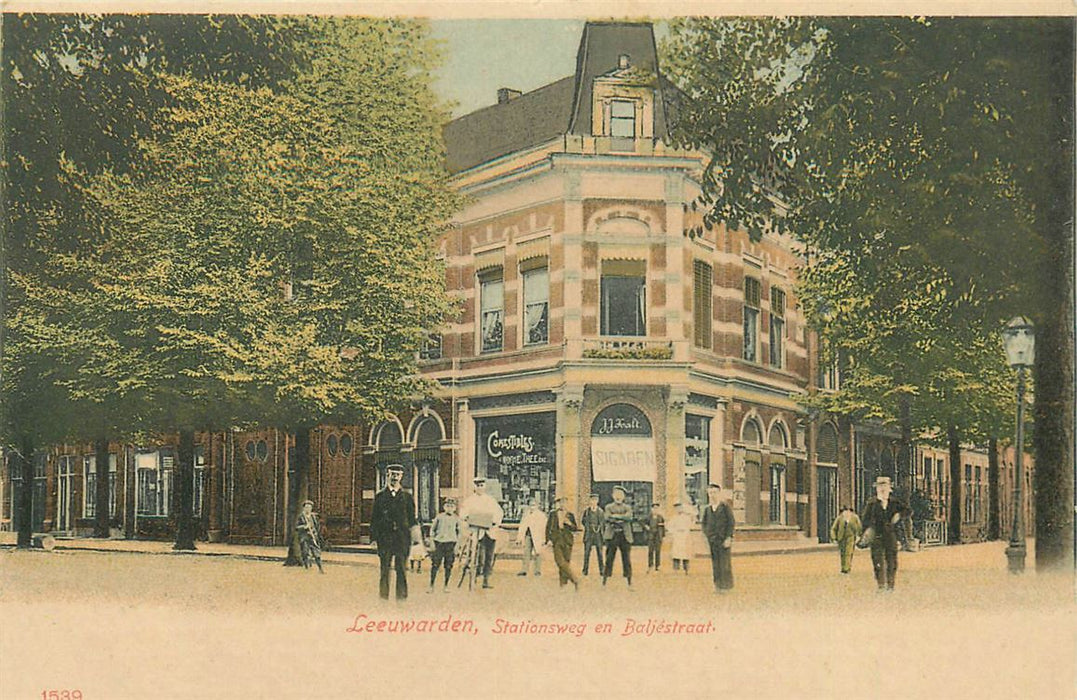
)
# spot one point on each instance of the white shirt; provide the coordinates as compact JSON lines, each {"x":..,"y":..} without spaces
{"x":535,"y":522}
{"x":486,"y":505}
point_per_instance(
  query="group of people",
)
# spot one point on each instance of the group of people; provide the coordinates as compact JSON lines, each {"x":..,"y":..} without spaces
{"x":877,"y":528}
{"x":606,"y":531}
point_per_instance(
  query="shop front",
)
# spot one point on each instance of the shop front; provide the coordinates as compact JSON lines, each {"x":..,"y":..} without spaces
{"x":623,"y":454}
{"x":518,"y":456}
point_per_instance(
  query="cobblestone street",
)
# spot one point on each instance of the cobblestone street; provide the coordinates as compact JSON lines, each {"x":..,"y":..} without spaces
{"x":139,"y":625}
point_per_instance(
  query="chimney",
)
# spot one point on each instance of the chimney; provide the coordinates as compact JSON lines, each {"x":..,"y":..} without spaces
{"x":506,"y":94}
{"x":622,"y":61}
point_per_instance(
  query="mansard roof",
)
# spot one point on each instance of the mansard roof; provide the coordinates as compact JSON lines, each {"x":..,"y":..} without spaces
{"x":562,"y":107}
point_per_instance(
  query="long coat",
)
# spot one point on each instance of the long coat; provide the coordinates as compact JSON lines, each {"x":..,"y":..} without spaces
{"x":718,"y":523}
{"x":879,"y":518}
{"x":680,"y":530}
{"x":392,"y":519}
{"x":594,"y":521}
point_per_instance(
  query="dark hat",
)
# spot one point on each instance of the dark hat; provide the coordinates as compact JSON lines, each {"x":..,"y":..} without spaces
{"x":713,"y":485}
{"x":398,"y":468}
{"x":656,"y":505}
{"x":308,"y":501}
{"x":479,"y":480}
{"x":620,"y":488}
{"x":593,"y":495}
{"x":882,"y":481}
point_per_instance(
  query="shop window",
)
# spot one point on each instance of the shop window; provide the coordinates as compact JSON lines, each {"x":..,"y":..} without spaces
{"x":154,"y":472}
{"x":517,"y":455}
{"x":624,"y":298}
{"x":702,"y":296}
{"x":89,"y":489}
{"x":751,"y":319}
{"x":492,"y":305}
{"x":777,"y":327}
{"x":536,"y":284}
{"x":696,"y":460}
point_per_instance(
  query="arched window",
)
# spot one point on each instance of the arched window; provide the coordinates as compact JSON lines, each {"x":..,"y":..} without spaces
{"x":778,"y":438}
{"x":826,"y":449}
{"x":751,"y":434}
{"x":427,"y":461}
{"x":388,"y":442}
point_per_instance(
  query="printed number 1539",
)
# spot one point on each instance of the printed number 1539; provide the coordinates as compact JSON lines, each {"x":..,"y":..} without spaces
{"x":61,"y":695}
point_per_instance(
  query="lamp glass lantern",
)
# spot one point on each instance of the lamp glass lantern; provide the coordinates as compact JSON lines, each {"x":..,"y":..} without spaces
{"x":1019,"y":340}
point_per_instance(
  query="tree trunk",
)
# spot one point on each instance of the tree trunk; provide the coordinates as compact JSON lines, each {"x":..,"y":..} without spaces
{"x":1054,"y":399}
{"x":905,"y":481}
{"x":103,"y":516}
{"x":954,"y":439}
{"x":184,"y":490}
{"x":25,"y":465}
{"x":298,"y":489}
{"x":994,"y":515}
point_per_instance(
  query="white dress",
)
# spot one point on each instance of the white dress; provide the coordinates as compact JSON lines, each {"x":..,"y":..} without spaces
{"x":679,"y":528}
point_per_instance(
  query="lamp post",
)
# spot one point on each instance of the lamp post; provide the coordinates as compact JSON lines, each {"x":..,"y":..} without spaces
{"x":1019,"y":339}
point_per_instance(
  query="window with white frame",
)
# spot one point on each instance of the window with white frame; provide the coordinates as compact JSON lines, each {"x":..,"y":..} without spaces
{"x":492,"y":310}
{"x":89,"y":491}
{"x":198,"y":493}
{"x":622,"y":124}
{"x":536,"y":283}
{"x":777,"y":327}
{"x":751,"y":319}
{"x":154,"y":473}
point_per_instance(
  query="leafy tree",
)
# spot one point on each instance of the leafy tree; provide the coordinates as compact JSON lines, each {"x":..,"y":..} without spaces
{"x":271,"y":257}
{"x":74,"y":101}
{"x":912,"y":157}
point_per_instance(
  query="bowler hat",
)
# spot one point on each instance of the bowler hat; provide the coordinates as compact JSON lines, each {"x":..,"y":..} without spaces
{"x":713,"y":485}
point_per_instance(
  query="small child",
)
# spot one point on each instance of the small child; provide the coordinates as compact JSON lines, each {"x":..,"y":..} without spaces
{"x":416,"y":556}
{"x":444,"y":533}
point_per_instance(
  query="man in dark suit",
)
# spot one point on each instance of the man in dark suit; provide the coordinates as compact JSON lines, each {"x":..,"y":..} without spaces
{"x":560,"y":530}
{"x":394,"y":527}
{"x":882,"y":515}
{"x":718,"y":523}
{"x":593,"y":520}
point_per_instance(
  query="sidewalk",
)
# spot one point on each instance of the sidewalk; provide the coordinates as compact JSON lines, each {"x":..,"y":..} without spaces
{"x":350,"y":555}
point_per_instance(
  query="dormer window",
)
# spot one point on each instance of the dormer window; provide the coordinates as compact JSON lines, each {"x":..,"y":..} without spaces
{"x":623,"y":124}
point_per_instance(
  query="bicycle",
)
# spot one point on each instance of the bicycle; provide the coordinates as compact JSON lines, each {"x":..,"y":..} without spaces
{"x":469,"y":551}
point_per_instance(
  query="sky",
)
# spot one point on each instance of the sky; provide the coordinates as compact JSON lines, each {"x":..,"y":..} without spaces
{"x":482,"y":55}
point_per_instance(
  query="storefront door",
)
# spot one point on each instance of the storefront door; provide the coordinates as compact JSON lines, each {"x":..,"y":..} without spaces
{"x":827,"y":504}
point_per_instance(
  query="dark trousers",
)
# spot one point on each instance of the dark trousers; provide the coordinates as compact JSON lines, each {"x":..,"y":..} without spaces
{"x":884,"y":561}
{"x":443,"y":552}
{"x":486,"y":552}
{"x":619,"y":542}
{"x":386,"y":554}
{"x":596,"y":545}
{"x":562,"y":556}
{"x":721,"y":565}
{"x":654,"y":554}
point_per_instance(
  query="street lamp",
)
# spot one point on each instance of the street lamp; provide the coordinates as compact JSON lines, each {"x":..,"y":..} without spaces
{"x":1019,"y":339}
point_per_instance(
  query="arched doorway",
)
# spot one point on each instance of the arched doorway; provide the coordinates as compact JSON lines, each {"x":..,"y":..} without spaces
{"x":751,"y":435}
{"x":623,"y":454}
{"x":778,"y":441}
{"x":826,"y":459}
{"x":388,"y":442}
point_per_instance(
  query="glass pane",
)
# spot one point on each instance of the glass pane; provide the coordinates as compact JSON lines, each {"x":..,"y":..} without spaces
{"x":623,"y":300}
{"x":492,"y":330}
{"x":537,"y":324}
{"x":622,"y":108}
{"x":751,"y":326}
{"x":536,"y":285}
{"x":623,"y":128}
{"x":492,"y":295}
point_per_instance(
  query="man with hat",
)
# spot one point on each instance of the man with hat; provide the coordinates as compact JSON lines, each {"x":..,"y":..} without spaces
{"x":617,"y":530}
{"x":882,"y":514}
{"x":718,"y":524}
{"x":560,"y":530}
{"x":594,"y":521}
{"x":394,"y":527}
{"x":481,"y":511}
